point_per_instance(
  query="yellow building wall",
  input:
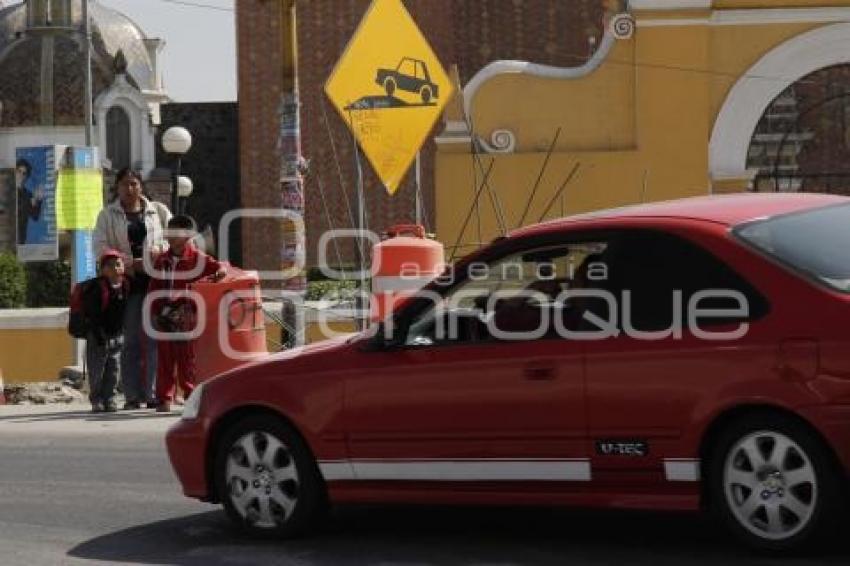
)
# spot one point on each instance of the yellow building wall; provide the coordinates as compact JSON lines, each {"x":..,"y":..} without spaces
{"x":639,"y":125}
{"x":38,"y":354}
{"x":316,"y":332}
{"x":31,"y":355}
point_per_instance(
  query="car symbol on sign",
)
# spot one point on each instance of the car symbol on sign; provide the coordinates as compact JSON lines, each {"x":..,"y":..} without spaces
{"x":411,"y":75}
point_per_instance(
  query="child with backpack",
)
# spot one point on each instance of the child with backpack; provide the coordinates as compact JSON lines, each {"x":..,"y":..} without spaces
{"x":97,"y":314}
{"x":176,"y":312}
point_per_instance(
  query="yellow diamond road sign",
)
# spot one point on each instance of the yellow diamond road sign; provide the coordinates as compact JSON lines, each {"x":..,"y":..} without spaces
{"x":390,"y":89}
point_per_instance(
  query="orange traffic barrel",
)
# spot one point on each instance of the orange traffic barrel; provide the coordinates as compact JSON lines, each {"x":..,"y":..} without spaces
{"x":235,"y":330}
{"x":404,"y":262}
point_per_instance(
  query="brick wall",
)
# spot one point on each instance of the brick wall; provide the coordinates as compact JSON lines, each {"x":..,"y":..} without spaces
{"x":258,"y":24}
{"x":469,"y":33}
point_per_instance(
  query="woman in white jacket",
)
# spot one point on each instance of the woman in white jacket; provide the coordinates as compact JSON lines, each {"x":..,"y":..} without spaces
{"x":135,"y":226}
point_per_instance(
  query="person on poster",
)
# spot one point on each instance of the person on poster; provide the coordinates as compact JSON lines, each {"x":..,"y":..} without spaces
{"x":29,"y":202}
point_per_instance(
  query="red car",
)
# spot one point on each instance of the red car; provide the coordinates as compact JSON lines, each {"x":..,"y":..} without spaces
{"x":683,"y":356}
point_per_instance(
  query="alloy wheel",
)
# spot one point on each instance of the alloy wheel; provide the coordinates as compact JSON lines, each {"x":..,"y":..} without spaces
{"x":770,"y":485}
{"x":262,"y":479}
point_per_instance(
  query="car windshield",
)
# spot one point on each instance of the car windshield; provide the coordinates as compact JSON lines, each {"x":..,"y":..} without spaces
{"x":816,"y":242}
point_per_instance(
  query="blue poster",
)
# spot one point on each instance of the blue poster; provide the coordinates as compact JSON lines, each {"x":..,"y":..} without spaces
{"x":85,"y":264}
{"x":80,"y":158}
{"x":35,"y":190}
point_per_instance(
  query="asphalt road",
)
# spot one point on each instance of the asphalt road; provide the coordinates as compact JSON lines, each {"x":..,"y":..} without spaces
{"x":79,"y":489}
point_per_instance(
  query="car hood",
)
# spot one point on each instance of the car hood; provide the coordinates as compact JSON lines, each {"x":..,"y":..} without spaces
{"x":312,"y":357}
{"x":323,"y":347}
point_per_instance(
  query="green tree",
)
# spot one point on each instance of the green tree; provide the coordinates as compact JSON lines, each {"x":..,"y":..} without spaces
{"x":13,"y":282}
{"x":48,"y":284}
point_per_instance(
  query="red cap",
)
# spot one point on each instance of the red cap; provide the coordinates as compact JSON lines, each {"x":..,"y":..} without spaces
{"x":110,"y":253}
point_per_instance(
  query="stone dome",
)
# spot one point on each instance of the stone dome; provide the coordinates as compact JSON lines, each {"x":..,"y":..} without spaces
{"x":42,"y":57}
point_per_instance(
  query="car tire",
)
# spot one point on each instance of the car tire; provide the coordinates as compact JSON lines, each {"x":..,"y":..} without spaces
{"x":390,"y":86}
{"x":773,"y":483}
{"x":426,"y":94}
{"x":274,"y":489}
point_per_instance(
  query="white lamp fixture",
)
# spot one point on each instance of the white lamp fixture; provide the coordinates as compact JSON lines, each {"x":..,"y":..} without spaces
{"x":184,"y":186}
{"x":177,"y":141}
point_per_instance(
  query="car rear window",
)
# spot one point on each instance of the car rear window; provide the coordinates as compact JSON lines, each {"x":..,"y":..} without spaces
{"x":815,"y":242}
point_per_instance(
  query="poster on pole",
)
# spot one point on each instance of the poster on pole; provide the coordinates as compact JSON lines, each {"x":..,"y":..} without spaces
{"x":79,"y":192}
{"x":390,"y":88}
{"x":85,"y":263}
{"x":36,"y":174}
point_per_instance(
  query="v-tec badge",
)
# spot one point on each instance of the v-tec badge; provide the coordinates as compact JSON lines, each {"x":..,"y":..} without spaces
{"x":390,"y":89}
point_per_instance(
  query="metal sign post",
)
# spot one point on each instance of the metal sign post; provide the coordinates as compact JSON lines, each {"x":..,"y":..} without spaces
{"x":419,"y":188}
{"x":390,"y":89}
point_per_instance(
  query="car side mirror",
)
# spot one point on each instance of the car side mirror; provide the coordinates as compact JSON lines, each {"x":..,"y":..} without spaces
{"x":380,"y":341}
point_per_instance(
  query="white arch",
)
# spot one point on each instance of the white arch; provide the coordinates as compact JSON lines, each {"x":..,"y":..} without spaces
{"x":768,"y":78}
{"x":142,"y":141}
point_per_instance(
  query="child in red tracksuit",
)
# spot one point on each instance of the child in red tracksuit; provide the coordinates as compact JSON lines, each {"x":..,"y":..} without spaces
{"x":175,"y":271}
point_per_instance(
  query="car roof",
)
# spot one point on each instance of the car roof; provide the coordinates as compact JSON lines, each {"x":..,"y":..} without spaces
{"x":728,"y":210}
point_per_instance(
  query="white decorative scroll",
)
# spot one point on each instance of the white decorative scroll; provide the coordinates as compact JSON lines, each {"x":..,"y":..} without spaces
{"x":622,"y":26}
{"x":501,"y":141}
{"x":501,"y":68}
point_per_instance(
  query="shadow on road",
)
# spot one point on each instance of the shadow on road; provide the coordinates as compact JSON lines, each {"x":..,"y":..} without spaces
{"x":85,"y":415}
{"x":439,"y":535}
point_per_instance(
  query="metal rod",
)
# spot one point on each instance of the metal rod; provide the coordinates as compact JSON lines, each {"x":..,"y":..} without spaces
{"x":477,"y":204}
{"x":560,"y":192}
{"x":175,"y":183}
{"x":340,"y":176}
{"x":88,"y":74}
{"x":329,"y":220}
{"x":472,"y":209}
{"x":494,"y":198}
{"x":361,"y":226}
{"x":539,"y":177}
{"x":419,"y":187}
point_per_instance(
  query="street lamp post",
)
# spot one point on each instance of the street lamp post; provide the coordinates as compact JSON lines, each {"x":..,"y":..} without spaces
{"x":184,"y":191}
{"x":177,"y":141}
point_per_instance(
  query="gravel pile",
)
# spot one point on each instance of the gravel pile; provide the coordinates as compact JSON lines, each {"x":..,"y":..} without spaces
{"x":42,"y":394}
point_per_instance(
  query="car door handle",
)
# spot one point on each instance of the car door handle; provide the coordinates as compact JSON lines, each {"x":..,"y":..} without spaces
{"x":540,"y":373}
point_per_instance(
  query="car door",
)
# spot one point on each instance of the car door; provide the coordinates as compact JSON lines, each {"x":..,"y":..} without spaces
{"x":407,"y":76}
{"x":647,"y":385}
{"x":465,"y":406}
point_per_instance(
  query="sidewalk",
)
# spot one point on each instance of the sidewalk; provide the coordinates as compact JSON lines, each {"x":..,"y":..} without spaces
{"x":76,"y":419}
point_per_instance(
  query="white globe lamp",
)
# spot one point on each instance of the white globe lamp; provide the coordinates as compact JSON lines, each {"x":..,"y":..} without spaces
{"x":177,"y":141}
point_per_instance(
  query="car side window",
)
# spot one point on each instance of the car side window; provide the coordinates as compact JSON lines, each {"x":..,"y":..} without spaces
{"x":518,"y":297}
{"x":407,"y":67}
{"x":654,"y":266}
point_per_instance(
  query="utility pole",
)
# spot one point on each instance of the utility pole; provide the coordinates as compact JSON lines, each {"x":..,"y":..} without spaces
{"x":88,"y":79}
{"x":81,"y":240}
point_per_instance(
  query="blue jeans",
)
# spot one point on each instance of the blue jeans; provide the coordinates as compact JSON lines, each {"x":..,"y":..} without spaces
{"x":138,"y":358}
